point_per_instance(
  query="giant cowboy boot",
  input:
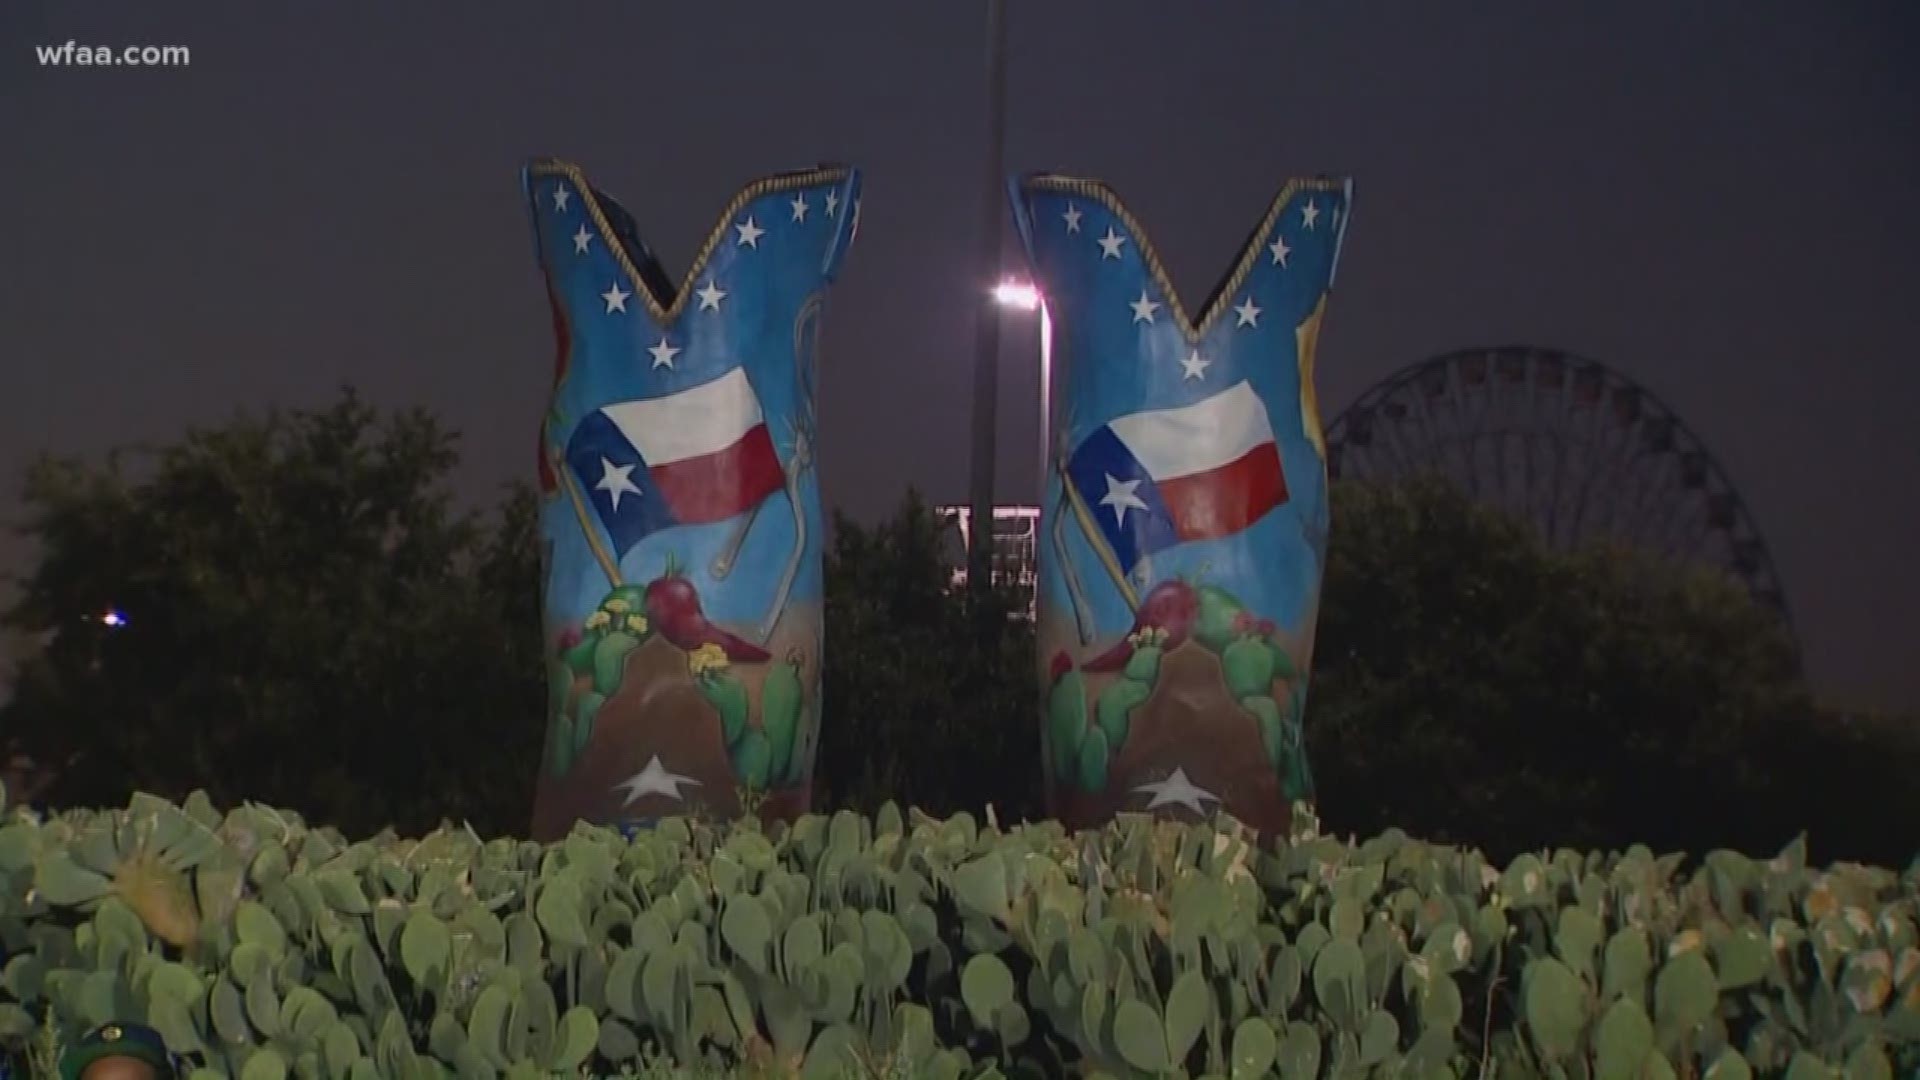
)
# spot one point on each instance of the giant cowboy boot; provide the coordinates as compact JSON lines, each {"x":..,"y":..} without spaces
{"x":681,"y":515}
{"x":1184,"y":522}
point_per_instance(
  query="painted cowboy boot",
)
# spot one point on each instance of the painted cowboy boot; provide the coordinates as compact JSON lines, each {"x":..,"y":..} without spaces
{"x":1184,"y":522}
{"x":680,"y":511}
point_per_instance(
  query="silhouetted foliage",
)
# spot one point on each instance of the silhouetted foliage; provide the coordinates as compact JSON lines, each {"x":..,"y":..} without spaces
{"x":1849,"y":779}
{"x":924,"y":708}
{"x":1471,"y":685}
{"x":312,"y":624}
{"x":308,"y":623}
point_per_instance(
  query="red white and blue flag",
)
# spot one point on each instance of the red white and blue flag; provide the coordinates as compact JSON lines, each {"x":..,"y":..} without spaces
{"x":1162,"y":477}
{"x":694,"y":457}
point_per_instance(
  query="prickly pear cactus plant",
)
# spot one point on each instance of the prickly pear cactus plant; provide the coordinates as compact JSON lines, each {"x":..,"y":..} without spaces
{"x":905,"y":945}
{"x":587,"y":667}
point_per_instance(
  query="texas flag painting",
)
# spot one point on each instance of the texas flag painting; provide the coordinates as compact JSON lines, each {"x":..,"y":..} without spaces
{"x":1184,"y":510}
{"x":695,"y":457}
{"x":1162,"y":477}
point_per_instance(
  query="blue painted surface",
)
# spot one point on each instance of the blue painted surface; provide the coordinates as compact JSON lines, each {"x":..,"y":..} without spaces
{"x":767,"y":286}
{"x":1112,"y":365}
{"x":1124,"y":344}
{"x":634,"y":342}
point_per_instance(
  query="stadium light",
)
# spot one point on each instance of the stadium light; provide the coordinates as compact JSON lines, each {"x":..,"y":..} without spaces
{"x":1017,"y":294}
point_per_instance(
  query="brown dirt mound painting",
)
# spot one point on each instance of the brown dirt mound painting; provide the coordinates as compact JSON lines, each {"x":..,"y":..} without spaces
{"x":683,"y":734}
{"x":1187,"y":728}
{"x":1197,"y":710}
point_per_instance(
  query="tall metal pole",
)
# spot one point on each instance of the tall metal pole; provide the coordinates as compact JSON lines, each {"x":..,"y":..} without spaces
{"x":1046,"y":403}
{"x":986,"y":355}
{"x":1046,"y":449}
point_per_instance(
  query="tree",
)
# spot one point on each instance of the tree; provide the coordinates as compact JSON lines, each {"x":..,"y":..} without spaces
{"x":1853,"y":773}
{"x":307,"y":622}
{"x":311,"y":623}
{"x":1471,"y":685}
{"x":919,"y":707}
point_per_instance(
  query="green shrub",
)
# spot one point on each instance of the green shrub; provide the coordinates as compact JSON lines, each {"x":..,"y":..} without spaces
{"x":906,"y":945}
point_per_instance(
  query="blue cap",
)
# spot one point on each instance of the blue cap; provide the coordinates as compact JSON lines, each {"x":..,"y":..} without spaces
{"x":113,"y":1040}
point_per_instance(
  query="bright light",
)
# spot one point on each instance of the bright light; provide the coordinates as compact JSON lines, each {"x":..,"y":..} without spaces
{"x":113,"y":618}
{"x":1017,"y":294}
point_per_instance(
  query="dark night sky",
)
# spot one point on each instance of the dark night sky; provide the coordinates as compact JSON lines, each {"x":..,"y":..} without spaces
{"x":1715,"y":198}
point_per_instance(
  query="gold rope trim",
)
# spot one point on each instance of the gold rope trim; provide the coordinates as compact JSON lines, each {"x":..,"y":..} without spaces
{"x":1098,"y":192}
{"x":770,"y":185}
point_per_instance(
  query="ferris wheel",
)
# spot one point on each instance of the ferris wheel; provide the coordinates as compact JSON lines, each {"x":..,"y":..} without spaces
{"x":1567,"y":443}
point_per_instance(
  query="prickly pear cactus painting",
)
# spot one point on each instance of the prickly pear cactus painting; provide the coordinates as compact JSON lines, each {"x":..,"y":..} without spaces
{"x":681,"y":515}
{"x":1184,"y":522}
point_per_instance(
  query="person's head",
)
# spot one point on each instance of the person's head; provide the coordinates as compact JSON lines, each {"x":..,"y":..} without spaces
{"x":118,"y":1052}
